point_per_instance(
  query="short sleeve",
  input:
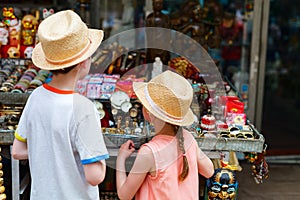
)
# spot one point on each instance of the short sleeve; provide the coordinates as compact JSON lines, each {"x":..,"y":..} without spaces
{"x":89,"y":140}
{"x":22,"y":128}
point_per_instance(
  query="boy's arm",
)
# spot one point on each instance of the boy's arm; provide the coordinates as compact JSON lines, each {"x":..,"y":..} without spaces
{"x":95,"y":172}
{"x":19,"y":150}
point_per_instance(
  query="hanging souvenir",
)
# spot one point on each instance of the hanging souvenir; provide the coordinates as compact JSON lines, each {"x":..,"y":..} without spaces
{"x":260,"y":169}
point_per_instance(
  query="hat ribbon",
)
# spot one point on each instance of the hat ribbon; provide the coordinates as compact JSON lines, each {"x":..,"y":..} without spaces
{"x":160,"y":111}
{"x":72,"y":58}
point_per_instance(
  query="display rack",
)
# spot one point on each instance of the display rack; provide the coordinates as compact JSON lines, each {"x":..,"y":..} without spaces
{"x":208,"y":144}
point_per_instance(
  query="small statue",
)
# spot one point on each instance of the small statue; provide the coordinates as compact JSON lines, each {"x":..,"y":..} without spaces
{"x":196,"y":28}
{"x":183,"y":16}
{"x":158,"y":19}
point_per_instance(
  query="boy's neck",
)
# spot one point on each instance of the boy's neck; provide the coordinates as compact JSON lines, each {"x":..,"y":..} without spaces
{"x":63,"y":82}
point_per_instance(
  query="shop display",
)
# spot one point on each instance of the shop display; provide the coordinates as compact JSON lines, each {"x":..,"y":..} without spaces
{"x":18,"y":36}
{"x":110,"y":88}
{"x":121,"y":115}
{"x":184,"y":67}
{"x":21,"y":78}
{"x":116,"y":59}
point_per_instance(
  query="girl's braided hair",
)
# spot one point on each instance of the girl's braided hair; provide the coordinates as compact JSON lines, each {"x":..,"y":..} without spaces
{"x":180,"y":140}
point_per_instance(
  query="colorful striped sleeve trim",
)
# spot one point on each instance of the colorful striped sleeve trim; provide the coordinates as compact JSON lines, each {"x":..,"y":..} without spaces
{"x":95,"y":159}
{"x":20,"y":138}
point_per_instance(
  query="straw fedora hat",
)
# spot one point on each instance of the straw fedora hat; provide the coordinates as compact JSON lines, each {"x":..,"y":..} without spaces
{"x":168,"y":97}
{"x":65,"y":40}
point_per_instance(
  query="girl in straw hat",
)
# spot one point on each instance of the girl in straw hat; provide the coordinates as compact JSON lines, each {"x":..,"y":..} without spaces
{"x":167,"y":167}
{"x":59,"y":131}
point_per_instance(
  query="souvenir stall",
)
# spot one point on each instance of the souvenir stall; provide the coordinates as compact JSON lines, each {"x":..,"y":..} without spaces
{"x":192,"y":45}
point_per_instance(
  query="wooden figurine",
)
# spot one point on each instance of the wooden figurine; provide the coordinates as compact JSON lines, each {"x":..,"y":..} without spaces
{"x":155,"y":37}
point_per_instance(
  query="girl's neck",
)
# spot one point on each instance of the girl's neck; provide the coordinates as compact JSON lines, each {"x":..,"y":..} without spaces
{"x":167,"y":130}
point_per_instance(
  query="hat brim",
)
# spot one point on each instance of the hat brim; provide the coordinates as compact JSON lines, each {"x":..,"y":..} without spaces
{"x":39,"y":59}
{"x":139,"y":89}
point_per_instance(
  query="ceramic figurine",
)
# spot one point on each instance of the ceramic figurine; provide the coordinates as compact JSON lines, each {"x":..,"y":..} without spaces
{"x":13,"y":52}
{"x":28,"y":52}
{"x":8,"y":14}
{"x":47,"y":13}
{"x":29,"y":29}
{"x":3,"y":34}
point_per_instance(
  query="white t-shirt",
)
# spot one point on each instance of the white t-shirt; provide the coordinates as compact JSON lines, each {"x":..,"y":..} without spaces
{"x":63,"y":132}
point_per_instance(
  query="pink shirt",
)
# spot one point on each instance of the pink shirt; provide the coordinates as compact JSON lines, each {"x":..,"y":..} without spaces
{"x":165,"y":185}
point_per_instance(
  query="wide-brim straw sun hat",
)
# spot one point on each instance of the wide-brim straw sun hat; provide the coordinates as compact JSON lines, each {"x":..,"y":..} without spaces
{"x":168,"y":97}
{"x":64,"y":41}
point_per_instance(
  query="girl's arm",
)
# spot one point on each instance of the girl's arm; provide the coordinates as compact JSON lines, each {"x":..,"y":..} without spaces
{"x":127,"y":186}
{"x":205,"y":165}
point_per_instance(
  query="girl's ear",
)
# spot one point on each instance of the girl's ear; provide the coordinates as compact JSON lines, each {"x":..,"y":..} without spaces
{"x":146,"y":114}
{"x":83,"y":64}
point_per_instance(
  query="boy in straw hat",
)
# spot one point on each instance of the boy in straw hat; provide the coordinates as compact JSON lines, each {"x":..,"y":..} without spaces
{"x":167,"y":167}
{"x":59,"y":130}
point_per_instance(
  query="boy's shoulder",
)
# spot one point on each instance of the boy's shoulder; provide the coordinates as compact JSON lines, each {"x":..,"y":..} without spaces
{"x":83,"y":106}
